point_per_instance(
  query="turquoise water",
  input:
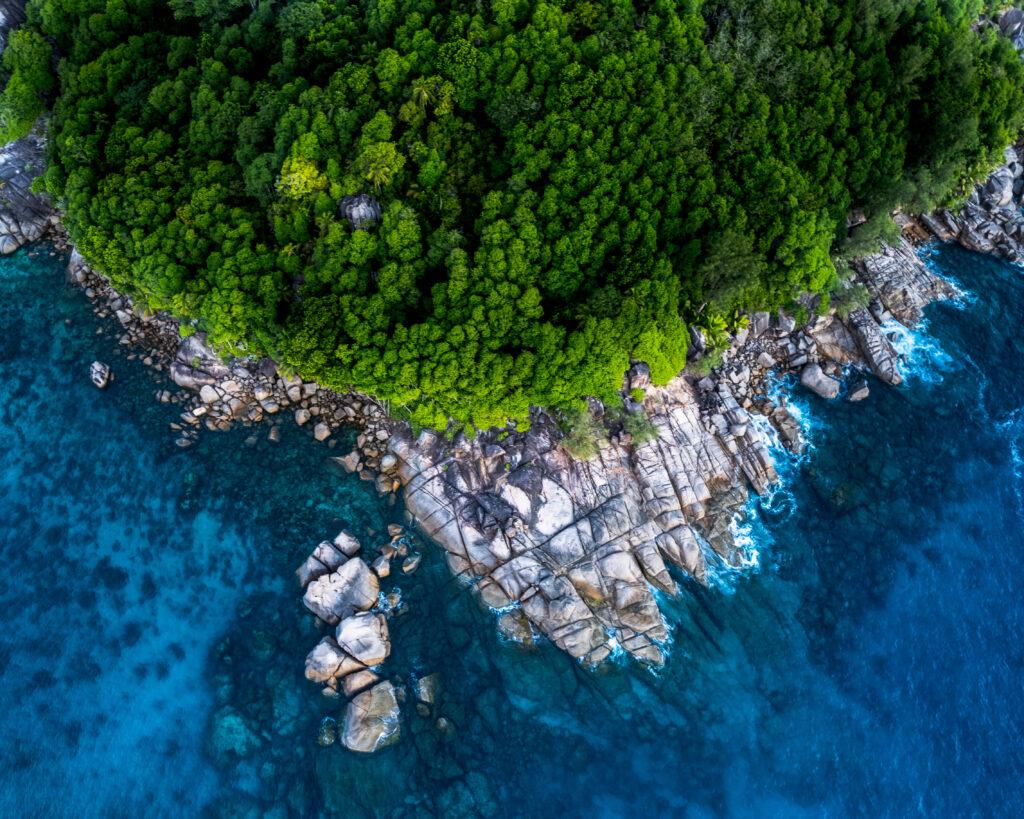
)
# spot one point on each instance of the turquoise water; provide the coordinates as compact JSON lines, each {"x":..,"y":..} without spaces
{"x":871,"y":665}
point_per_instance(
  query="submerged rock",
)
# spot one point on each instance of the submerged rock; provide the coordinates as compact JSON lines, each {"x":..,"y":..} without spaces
{"x":372,"y":719}
{"x":326,"y":733}
{"x":231,"y":735}
{"x":860,"y":391}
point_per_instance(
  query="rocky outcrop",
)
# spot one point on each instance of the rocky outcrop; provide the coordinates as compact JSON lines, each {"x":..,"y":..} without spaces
{"x":579,"y":546}
{"x":99,"y":374}
{"x":991,"y":220}
{"x":897,"y":279}
{"x":24,"y":216}
{"x":876,"y":348}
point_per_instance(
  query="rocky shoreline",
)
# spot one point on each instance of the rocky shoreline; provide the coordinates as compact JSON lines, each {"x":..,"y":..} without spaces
{"x":574,"y":550}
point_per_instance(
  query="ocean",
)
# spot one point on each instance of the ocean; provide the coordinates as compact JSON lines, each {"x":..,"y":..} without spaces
{"x":869,"y":661}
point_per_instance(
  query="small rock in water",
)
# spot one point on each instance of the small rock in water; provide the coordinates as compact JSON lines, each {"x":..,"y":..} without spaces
{"x":382,"y":566}
{"x":326,"y":735}
{"x":411,"y":563}
{"x":428,"y":687}
{"x":350,"y":462}
{"x":321,"y":431}
{"x":301,"y":416}
{"x":99,"y":374}
{"x":274,"y":434}
{"x":860,"y":391}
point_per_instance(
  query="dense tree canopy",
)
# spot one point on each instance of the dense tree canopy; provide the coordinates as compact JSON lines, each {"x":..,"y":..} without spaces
{"x":560,"y":182}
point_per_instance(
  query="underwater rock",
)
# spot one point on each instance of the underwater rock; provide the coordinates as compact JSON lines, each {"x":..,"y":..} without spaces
{"x":372,"y":719}
{"x":860,"y":391}
{"x":365,"y":637}
{"x":353,"y":587}
{"x":428,"y":688}
{"x":326,"y":733}
{"x":231,"y":735}
{"x":513,"y":625}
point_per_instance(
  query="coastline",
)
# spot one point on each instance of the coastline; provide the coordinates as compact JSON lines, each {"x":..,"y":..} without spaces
{"x":570,"y":549}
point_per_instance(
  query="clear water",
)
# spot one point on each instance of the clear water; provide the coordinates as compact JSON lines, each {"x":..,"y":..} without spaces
{"x":870,"y":665}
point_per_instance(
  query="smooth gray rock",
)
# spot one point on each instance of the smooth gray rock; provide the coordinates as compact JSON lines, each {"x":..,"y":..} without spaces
{"x":353,"y":587}
{"x":361,"y":210}
{"x":365,"y":637}
{"x":372,"y":719}
{"x":815,"y":380}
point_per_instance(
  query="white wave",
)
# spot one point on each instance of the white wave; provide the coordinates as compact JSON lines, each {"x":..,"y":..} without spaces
{"x":922,"y":358}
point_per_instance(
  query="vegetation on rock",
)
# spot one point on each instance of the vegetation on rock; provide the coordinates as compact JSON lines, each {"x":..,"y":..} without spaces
{"x":558,"y":182}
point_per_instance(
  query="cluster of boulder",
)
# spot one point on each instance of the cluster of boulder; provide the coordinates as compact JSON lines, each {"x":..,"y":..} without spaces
{"x":218,"y":394}
{"x":343,"y":591}
{"x":991,"y":220}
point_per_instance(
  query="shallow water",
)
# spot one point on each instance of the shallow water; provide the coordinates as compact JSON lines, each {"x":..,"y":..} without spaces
{"x":870,"y":665}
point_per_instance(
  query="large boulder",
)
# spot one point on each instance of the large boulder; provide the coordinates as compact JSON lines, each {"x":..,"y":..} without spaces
{"x":365,"y":637}
{"x":814,"y":378}
{"x":998,"y":190}
{"x":361,"y":210}
{"x":326,"y":558}
{"x":372,"y":719}
{"x":327,"y":661}
{"x":195,"y":365}
{"x":333,"y":597}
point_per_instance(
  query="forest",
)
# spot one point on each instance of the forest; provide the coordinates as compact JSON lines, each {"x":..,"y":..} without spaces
{"x":550,"y":190}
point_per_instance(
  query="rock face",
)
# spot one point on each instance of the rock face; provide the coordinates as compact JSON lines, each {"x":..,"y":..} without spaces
{"x":24,"y":216}
{"x":579,"y":546}
{"x":371,"y":719}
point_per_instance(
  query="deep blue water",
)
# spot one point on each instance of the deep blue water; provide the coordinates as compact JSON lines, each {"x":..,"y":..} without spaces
{"x":871,"y":665}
